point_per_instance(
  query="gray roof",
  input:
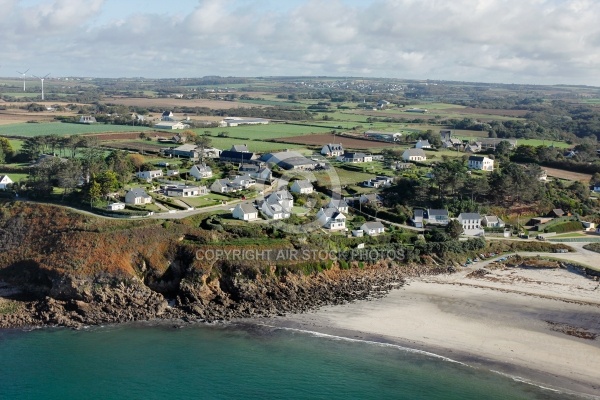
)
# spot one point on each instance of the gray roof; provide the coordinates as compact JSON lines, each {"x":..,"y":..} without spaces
{"x":138,"y":192}
{"x":247,"y":208}
{"x":337,"y":203}
{"x":239,"y":147}
{"x":354,"y":155}
{"x":304,"y":184}
{"x":476,"y":158}
{"x":431,"y":212}
{"x":463,"y":216}
{"x":373,"y":225}
{"x":418,"y":213}
{"x":334,"y":147}
{"x":415,"y":152}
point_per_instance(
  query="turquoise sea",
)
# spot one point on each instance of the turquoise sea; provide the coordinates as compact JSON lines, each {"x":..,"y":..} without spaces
{"x":232,"y":362}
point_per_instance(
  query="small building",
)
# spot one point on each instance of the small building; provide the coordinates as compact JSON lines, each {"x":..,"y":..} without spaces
{"x":224,"y":186}
{"x":339,"y":204}
{"x":289,"y":160}
{"x":400,"y":166}
{"x":171,"y":125}
{"x":115,"y":206}
{"x":371,"y":198}
{"x":379,"y":181}
{"x":278,"y":205}
{"x":383,"y":136}
{"x":349,"y":157}
{"x":423,"y":144}
{"x":414,"y":155}
{"x":190,"y":151}
{"x":372,"y":228}
{"x":237,"y":121}
{"x":302,"y":187}
{"x":588,"y":226}
{"x":418,"y":218}
{"x":186,"y":191}
{"x":473,"y":148}
{"x":331,"y":219}
{"x":149,"y":175}
{"x":172,"y":172}
{"x":137,"y":196}
{"x":264,"y":174}
{"x":245,"y":212}
{"x":492,"y":221}
{"x":482,"y":163}
{"x":87,"y":119}
{"x":332,"y":150}
{"x":201,"y":171}
{"x":167,"y":116}
{"x":5,"y":181}
{"x":437,"y":217}
{"x":471,"y":224}
{"x":237,"y":157}
{"x":556,"y":213}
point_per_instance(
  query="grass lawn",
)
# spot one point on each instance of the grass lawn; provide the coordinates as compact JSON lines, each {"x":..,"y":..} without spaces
{"x":16,"y":144}
{"x":16,"y":177}
{"x":570,"y":235}
{"x":63,"y":129}
{"x":199,"y":202}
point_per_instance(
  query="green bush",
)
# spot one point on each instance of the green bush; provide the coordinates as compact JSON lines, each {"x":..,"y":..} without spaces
{"x":569,"y":226}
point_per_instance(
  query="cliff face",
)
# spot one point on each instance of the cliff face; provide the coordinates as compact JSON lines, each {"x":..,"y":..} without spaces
{"x":73,"y":269}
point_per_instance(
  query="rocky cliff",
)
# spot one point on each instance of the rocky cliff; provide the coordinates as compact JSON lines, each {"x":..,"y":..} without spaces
{"x":58,"y":267}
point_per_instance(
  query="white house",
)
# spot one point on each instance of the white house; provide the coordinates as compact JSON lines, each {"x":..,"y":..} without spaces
{"x":597,"y":187}
{"x":137,"y":196}
{"x":423,"y":144}
{"x":372,"y":228}
{"x":201,"y":171}
{"x":186,"y":191}
{"x":5,"y":181}
{"x":275,"y":209}
{"x":414,"y":155}
{"x":437,"y":217}
{"x":245,"y":212}
{"x":87,"y":119}
{"x":379,"y":181}
{"x":245,"y":181}
{"x":282,"y":197}
{"x":171,"y":125}
{"x":332,"y":219}
{"x":338,"y":204}
{"x":492,"y":221}
{"x":302,"y":187}
{"x":332,"y":150}
{"x":115,"y":206}
{"x":481,"y":162}
{"x":149,"y":175}
{"x":471,"y":224}
{"x":355,"y":157}
{"x":172,"y":172}
{"x":418,"y":218}
{"x":264,"y":174}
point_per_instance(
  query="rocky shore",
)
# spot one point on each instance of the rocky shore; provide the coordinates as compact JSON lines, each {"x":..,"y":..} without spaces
{"x":226,"y":298}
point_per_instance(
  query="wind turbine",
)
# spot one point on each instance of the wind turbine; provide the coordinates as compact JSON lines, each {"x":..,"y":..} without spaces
{"x":23,"y":75}
{"x":42,"y":79}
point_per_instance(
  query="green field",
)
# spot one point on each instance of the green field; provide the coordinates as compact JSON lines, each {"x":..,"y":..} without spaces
{"x":63,"y":129}
{"x":255,"y":145}
{"x":270,"y":131}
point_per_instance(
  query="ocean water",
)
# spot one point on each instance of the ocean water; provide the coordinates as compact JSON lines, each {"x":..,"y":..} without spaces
{"x":232,"y":362}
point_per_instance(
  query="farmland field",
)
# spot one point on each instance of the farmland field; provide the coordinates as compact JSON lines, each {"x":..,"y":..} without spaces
{"x":168,"y":103}
{"x":63,"y":129}
{"x":270,"y":131}
{"x":568,"y":175}
{"x":320,"y":140}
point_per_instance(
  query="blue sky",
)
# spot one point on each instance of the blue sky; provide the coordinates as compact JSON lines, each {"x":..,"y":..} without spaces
{"x":507,"y":41}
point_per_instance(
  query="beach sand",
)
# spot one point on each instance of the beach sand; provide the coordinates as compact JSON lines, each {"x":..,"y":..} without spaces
{"x":521,"y":322}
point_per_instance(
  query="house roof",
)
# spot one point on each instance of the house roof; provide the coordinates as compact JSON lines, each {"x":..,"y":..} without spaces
{"x":138,"y":192}
{"x":239,"y":147}
{"x":477,"y":158}
{"x":334,"y":147}
{"x":491,"y":219}
{"x":247,"y":208}
{"x":236,"y":155}
{"x":202,"y":168}
{"x":424,"y":142}
{"x":418,"y":213}
{"x":304,"y":184}
{"x":414,"y":153}
{"x":185,"y":147}
{"x":439,"y":212}
{"x":558,"y":212}
{"x":2,"y":177}
{"x":469,"y":216}
{"x":337,"y":203}
{"x":372,"y":225}
{"x":354,"y":155}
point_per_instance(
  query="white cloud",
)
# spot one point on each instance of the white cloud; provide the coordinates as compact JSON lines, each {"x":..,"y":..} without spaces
{"x":539,"y":41}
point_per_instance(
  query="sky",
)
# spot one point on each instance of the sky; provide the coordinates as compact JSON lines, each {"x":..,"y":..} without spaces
{"x":503,"y":41}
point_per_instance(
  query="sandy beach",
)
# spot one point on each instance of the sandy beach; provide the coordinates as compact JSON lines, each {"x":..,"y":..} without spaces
{"x":538,"y":325}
